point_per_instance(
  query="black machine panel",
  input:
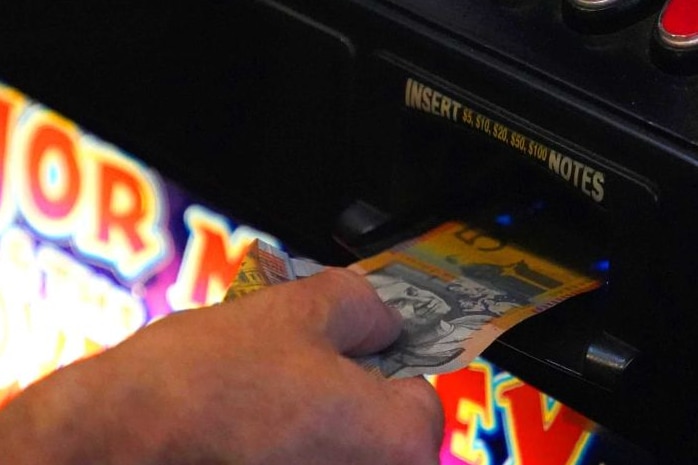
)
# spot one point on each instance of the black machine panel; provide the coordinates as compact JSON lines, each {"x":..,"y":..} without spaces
{"x":575,"y":120}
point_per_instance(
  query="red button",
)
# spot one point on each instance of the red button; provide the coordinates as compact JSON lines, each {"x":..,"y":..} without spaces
{"x":678,"y":24}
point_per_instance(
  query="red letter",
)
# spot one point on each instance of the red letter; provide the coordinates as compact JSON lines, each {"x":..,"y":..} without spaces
{"x":4,"y":138}
{"x":123,"y":214}
{"x":120,"y":206}
{"x":466,"y":396}
{"x":48,"y":178}
{"x":539,"y":432}
{"x":10,"y":105}
{"x":54,"y":191}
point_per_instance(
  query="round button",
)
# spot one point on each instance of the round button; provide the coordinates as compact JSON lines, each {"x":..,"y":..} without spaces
{"x":598,"y":4}
{"x":678,"y":25}
{"x":604,"y":16}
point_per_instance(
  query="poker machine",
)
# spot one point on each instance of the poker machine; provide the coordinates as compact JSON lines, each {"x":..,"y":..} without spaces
{"x":339,"y":128}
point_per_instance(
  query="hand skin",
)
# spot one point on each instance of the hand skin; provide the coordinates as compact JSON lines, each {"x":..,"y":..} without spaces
{"x":265,"y":379}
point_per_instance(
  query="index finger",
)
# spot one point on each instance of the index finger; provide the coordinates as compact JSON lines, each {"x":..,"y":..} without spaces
{"x":343,"y":307}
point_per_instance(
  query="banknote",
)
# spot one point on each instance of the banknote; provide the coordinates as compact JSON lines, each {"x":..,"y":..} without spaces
{"x":457,"y":288}
{"x":265,"y":265}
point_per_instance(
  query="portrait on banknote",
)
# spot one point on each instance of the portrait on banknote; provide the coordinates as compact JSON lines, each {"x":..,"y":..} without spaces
{"x":439,"y":316}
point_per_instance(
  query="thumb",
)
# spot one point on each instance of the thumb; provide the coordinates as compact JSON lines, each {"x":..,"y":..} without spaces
{"x":346,"y":310}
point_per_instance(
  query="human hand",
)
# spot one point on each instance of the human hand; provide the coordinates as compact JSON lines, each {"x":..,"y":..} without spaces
{"x":264,"y":379}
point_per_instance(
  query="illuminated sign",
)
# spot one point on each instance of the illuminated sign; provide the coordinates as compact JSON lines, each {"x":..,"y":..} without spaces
{"x":87,"y":248}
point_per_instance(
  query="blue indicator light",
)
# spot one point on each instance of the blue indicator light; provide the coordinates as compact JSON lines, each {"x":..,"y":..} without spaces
{"x":504,"y":220}
{"x":602,"y":265}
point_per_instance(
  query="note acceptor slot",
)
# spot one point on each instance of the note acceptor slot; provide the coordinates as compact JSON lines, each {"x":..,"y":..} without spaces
{"x":434,"y":151}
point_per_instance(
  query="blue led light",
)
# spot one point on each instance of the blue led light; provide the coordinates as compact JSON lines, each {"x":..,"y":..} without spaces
{"x":602,"y":265}
{"x":504,"y":219}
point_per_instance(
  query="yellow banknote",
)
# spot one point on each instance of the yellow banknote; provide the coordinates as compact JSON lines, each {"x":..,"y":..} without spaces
{"x":457,"y":288}
{"x":265,"y":265}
